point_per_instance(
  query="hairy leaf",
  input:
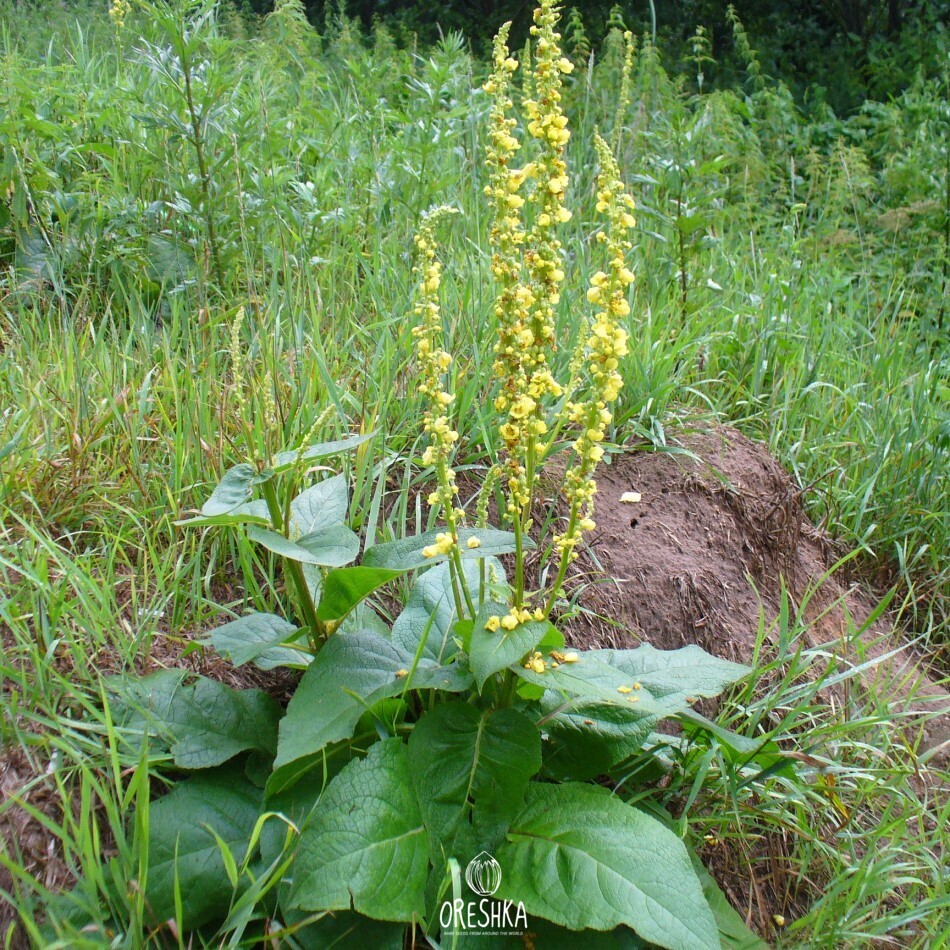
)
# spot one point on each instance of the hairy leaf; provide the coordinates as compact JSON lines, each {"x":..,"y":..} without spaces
{"x":259,"y":638}
{"x":493,"y":651}
{"x":203,"y":722}
{"x":365,"y":845}
{"x":465,"y":761}
{"x":580,"y":857}
{"x":181,"y":843}
{"x":320,"y":506}
{"x":328,"y":547}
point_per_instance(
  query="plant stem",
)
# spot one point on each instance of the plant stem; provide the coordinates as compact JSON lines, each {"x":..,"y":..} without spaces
{"x":203,"y":172}
{"x":294,"y":569}
{"x":565,"y":560}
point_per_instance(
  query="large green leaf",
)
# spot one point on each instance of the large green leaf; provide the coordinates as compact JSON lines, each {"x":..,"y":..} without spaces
{"x":349,"y":675}
{"x":468,"y":760}
{"x":181,"y":844}
{"x":733,"y":932}
{"x":689,"y":671}
{"x":344,"y":929}
{"x":259,"y":638}
{"x":366,"y":843}
{"x":320,"y":506}
{"x":580,"y":857}
{"x":406,"y":555}
{"x":328,"y":547}
{"x":431,"y":599}
{"x":586,"y":739}
{"x":203,"y":722}
{"x":590,"y":679}
{"x":251,"y":512}
{"x":343,"y":589}
{"x":234,"y":489}
{"x":493,"y":651}
{"x":284,"y":461}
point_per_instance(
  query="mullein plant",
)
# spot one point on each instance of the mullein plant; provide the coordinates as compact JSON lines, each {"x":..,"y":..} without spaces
{"x":466,"y":733}
{"x":528,"y":204}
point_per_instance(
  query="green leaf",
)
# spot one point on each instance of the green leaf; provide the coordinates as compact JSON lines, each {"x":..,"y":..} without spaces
{"x":586,"y":739}
{"x":350,"y":674}
{"x":204,"y":723}
{"x":431,"y":597}
{"x":234,"y":489}
{"x":180,"y":842}
{"x":366,"y":842}
{"x":259,"y":638}
{"x":320,"y":506}
{"x":464,"y":759}
{"x":343,"y":589}
{"x":252,"y":512}
{"x":589,"y":679}
{"x":580,"y":857}
{"x":733,"y":932}
{"x":406,"y":555}
{"x":284,"y":461}
{"x":600,"y":709}
{"x":328,"y":547}
{"x":345,"y":929}
{"x":491,"y":652}
{"x":689,"y":671}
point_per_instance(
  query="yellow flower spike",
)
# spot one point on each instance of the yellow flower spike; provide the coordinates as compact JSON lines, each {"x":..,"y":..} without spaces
{"x":606,"y":344}
{"x":434,"y":361}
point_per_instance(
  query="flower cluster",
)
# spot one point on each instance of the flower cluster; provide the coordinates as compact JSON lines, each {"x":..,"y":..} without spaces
{"x":606,"y":344}
{"x":548,"y":125}
{"x":514,"y":618}
{"x":507,"y":235}
{"x":630,"y":46}
{"x":118,"y":11}
{"x":434,"y":362}
{"x":527,"y":268}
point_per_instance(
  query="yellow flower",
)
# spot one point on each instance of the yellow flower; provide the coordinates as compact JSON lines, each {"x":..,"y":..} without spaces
{"x":473,"y":543}
{"x":509,"y":621}
{"x":606,"y":344}
{"x":492,"y":624}
{"x":434,"y":361}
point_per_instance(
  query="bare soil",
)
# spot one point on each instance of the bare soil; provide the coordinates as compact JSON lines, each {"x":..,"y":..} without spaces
{"x":704,"y":556}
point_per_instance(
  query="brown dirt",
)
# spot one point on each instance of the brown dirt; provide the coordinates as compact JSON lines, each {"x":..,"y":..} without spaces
{"x":703,"y":556}
{"x":23,"y":837}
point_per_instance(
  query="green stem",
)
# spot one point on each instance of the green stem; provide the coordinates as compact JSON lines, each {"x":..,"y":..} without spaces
{"x":565,"y":560}
{"x":294,"y":569}
{"x":519,"y":562}
{"x":457,"y":567}
{"x":198,"y":143}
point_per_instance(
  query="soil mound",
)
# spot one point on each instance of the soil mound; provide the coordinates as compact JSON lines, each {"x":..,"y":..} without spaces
{"x":704,"y":554}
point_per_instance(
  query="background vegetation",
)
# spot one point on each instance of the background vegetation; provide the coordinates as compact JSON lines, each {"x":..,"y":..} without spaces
{"x":792,"y":269}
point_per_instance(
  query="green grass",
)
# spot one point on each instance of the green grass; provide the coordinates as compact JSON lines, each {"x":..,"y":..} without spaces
{"x":790,"y":268}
